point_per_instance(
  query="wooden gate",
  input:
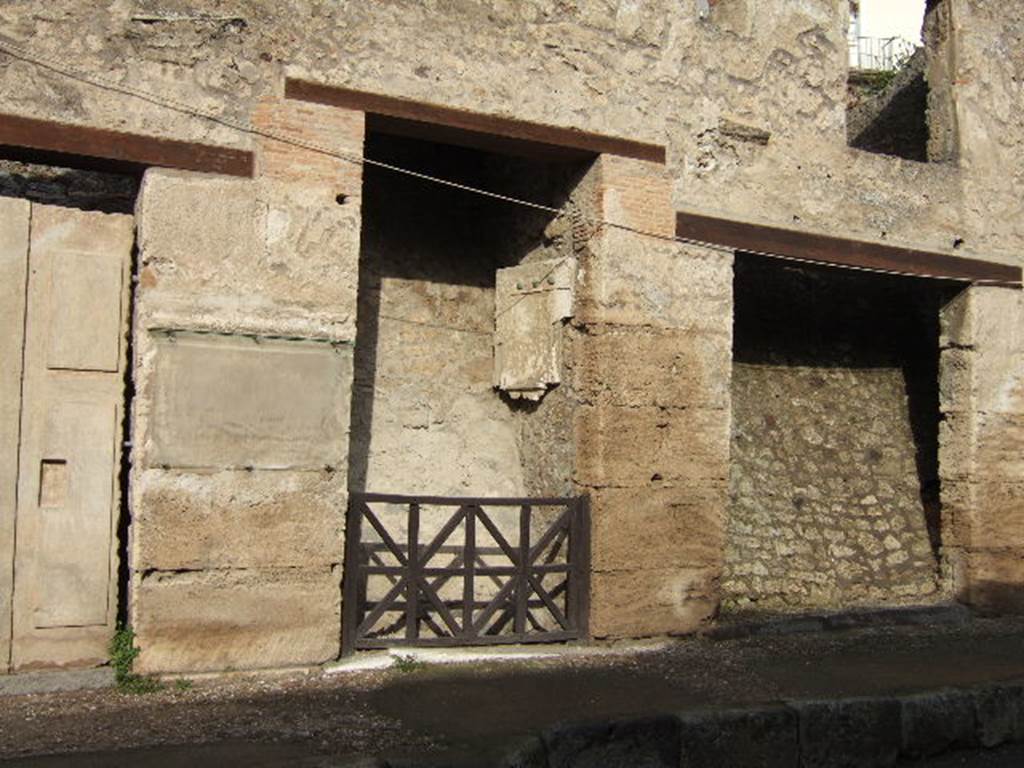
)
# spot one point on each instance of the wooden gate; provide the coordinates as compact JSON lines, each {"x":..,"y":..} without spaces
{"x":432,"y":571}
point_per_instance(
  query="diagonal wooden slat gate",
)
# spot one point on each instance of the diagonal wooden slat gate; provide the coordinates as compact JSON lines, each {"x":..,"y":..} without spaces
{"x":436,"y":571}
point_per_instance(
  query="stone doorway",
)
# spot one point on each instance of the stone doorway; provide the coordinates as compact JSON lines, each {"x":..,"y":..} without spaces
{"x":66,"y":283}
{"x":834,"y":483}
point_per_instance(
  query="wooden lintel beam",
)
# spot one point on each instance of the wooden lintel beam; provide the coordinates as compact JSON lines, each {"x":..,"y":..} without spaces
{"x":545,"y":136}
{"x":808,"y":246}
{"x":121,"y":147}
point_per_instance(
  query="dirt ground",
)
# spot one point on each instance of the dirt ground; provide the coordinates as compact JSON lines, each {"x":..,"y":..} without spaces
{"x":301,"y":718}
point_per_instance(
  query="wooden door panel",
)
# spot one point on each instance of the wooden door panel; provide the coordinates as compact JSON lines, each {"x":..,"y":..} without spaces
{"x":72,"y":408}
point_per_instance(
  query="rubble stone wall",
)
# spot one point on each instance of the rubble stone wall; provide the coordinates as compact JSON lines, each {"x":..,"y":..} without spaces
{"x":834,"y":479}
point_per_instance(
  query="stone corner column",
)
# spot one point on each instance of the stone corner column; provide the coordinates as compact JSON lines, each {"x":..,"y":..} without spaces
{"x":981,"y":452}
{"x":652,"y":429}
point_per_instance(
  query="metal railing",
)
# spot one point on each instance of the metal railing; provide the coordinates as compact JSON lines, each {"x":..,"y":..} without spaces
{"x":879,"y":53}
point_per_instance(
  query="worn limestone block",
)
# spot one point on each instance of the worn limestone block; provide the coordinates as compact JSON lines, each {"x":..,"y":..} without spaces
{"x":632,"y":280}
{"x":634,"y":447}
{"x":197,"y":232}
{"x":531,"y":303}
{"x":650,"y":743}
{"x":651,"y":602}
{"x":629,"y":366}
{"x":999,"y":446}
{"x":993,"y":580}
{"x":236,"y":619}
{"x":658,"y":526}
{"x":936,"y":722}
{"x":957,"y":444}
{"x":238,"y":519}
{"x":754,"y":738}
{"x":986,"y":514}
{"x":222,"y":401}
{"x":849,"y":733}
{"x":260,"y":256}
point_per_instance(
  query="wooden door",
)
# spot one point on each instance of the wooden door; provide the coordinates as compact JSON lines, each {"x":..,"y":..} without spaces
{"x":72,"y":407}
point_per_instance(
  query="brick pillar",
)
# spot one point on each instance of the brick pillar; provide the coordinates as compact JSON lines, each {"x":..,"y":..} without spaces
{"x":246,"y":303}
{"x":981,"y":452}
{"x":652,"y":373}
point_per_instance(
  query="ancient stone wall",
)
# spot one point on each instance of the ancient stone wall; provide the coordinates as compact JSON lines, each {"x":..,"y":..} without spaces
{"x":833,"y":482}
{"x":656,"y":71}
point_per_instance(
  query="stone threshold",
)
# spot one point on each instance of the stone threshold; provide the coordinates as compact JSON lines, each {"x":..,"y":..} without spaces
{"x":362,"y":661}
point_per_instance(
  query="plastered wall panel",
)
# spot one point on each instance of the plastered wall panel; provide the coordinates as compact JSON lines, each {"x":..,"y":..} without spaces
{"x":231,"y":401}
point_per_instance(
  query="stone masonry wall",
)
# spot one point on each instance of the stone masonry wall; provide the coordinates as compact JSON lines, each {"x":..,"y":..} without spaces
{"x":656,"y":71}
{"x":833,"y":481}
{"x":245,"y":319}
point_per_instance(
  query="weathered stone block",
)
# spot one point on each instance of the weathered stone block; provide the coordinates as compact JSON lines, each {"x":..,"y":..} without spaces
{"x":936,"y":722}
{"x":986,"y":514}
{"x":634,"y":447}
{"x":238,"y":519}
{"x":216,"y":620}
{"x":633,"y":280}
{"x":850,"y":733}
{"x":999,"y":441}
{"x":629,"y":366}
{"x":260,"y":256}
{"x":651,"y":743}
{"x":754,"y":738}
{"x":650,"y":602}
{"x":993,"y":580}
{"x":658,"y":527}
{"x":197,"y":232}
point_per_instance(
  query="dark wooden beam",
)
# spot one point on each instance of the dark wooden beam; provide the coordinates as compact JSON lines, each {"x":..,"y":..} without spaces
{"x":124,"y":150}
{"x":841,"y":252}
{"x":422,"y":116}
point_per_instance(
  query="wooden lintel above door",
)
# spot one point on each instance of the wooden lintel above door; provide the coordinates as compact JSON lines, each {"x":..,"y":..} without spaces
{"x":35,"y":139}
{"x":826,"y":249}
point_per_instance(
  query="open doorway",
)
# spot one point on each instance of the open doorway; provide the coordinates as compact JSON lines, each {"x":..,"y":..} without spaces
{"x":434,"y":417}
